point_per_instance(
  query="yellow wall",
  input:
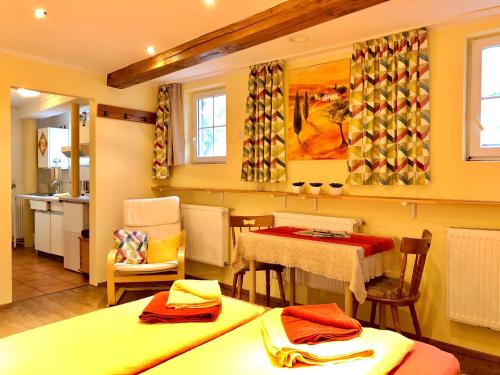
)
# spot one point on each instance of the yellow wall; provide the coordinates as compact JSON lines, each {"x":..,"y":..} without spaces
{"x":17,"y":151}
{"x":122,"y":152}
{"x":30,"y":174}
{"x":123,"y":170}
{"x":121,"y":156}
{"x":451,"y":178}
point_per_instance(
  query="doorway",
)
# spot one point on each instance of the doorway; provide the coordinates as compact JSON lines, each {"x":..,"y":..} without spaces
{"x":48,"y":220}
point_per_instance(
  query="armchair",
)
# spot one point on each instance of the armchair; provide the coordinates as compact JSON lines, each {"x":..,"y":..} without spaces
{"x":159,"y":218}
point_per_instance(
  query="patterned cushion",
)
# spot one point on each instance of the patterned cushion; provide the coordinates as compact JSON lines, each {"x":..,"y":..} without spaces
{"x":386,"y":287}
{"x":132,"y":246}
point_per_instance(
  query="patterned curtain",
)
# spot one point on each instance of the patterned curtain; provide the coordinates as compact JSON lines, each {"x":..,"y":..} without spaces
{"x":389,"y":128}
{"x":169,"y":134}
{"x":264,"y":139}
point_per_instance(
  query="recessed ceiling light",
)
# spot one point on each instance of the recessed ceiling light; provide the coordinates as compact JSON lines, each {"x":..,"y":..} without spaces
{"x":40,"y":13}
{"x":298,"y":39}
{"x":27,"y":93}
{"x":209,"y":2}
{"x":150,"y":50}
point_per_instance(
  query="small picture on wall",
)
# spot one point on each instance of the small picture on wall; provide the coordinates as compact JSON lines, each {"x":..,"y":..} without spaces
{"x":318,"y":111}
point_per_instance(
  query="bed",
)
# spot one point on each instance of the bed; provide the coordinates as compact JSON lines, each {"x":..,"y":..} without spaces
{"x":113,"y":341}
{"x":242,"y":352}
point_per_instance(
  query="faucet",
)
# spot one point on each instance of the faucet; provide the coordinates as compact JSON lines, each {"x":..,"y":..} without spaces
{"x":56,"y":177}
{"x":58,"y":184}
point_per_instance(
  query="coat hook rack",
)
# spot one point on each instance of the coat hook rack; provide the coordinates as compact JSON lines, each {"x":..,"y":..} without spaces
{"x":127,"y":114}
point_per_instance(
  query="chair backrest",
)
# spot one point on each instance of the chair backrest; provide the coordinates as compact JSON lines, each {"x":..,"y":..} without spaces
{"x":250,"y":223}
{"x":418,"y":247}
{"x":159,"y":217}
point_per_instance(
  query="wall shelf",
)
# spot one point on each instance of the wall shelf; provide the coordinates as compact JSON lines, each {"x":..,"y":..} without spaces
{"x":404,"y":201}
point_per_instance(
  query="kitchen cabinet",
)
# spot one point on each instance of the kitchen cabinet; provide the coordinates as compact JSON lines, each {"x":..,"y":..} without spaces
{"x":49,"y":227}
{"x":42,"y":231}
{"x":49,"y":144}
{"x":57,"y":233}
{"x":75,"y":220}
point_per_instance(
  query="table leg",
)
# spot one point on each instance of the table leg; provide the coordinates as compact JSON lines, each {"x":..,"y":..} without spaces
{"x":348,"y":296}
{"x":252,"y":281}
{"x":292,"y":286}
{"x":381,"y":316}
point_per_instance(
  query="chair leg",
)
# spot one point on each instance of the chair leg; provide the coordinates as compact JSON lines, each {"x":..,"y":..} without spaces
{"x":240,"y":286}
{"x":381,"y":316}
{"x":111,"y":289}
{"x":395,"y":318}
{"x":268,"y":287}
{"x":414,"y":317}
{"x":282,"y":289}
{"x":355,"y":305}
{"x":235,"y":284}
{"x":373,"y":313}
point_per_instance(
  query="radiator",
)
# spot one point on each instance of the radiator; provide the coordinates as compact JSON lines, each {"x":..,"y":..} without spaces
{"x":207,"y":233}
{"x":473,"y":276}
{"x":17,"y":214}
{"x":318,"y":222}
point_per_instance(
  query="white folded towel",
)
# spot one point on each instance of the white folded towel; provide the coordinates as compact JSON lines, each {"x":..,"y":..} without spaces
{"x":375,"y":352}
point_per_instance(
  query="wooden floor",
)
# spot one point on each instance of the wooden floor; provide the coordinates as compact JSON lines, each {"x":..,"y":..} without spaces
{"x":37,"y":311}
{"x":34,"y":275}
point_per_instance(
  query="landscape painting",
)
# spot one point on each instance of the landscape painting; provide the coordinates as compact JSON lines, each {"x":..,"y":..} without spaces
{"x":318,"y":111}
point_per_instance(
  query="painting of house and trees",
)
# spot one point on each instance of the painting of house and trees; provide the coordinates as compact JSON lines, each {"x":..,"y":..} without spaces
{"x":318,"y":111}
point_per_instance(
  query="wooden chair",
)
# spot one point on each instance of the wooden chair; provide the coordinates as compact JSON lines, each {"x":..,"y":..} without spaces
{"x":252,"y":223}
{"x":159,"y":218}
{"x":396,"y":292}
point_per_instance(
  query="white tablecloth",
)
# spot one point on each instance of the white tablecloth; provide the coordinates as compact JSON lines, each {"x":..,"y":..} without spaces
{"x":335,"y":261}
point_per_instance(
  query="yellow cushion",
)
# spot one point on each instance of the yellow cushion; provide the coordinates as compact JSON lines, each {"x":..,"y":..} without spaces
{"x":165,"y":249}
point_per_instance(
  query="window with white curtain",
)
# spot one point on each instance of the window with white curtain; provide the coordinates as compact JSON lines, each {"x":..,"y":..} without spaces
{"x":210,"y":127}
{"x":483,"y":109}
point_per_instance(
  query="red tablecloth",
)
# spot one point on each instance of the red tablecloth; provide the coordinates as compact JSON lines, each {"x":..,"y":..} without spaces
{"x":370,"y":244}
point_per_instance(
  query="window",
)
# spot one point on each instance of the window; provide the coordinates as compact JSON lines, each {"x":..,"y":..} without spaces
{"x":483,"y":112}
{"x":210,"y":127}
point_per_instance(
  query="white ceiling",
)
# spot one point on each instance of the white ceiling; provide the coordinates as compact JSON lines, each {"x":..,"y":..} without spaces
{"x":103,"y":36}
{"x":17,"y":100}
{"x":42,"y":106}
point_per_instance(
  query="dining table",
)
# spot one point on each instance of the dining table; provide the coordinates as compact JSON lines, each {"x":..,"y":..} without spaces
{"x":353,"y":258}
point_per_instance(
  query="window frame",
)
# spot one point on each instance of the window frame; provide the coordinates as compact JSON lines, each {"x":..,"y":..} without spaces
{"x":473,"y":150}
{"x":194,"y":128}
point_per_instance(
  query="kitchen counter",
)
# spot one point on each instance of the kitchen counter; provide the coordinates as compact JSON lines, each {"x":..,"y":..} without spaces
{"x":51,"y":198}
{"x":38,"y":197}
{"x":58,"y":223}
{"x":81,"y":199}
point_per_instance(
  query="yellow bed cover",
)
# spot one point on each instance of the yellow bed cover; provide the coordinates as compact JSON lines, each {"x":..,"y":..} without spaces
{"x":112,"y":341}
{"x":243,"y":352}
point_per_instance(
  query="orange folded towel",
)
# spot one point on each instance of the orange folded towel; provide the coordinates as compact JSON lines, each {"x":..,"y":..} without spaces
{"x":158,"y":312}
{"x":313,"y":324}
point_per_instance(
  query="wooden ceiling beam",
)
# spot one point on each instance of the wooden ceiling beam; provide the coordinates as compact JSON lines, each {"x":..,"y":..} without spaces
{"x":285,"y":18}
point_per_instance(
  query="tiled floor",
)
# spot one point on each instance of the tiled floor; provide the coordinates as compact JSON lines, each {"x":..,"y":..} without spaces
{"x":34,"y":275}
